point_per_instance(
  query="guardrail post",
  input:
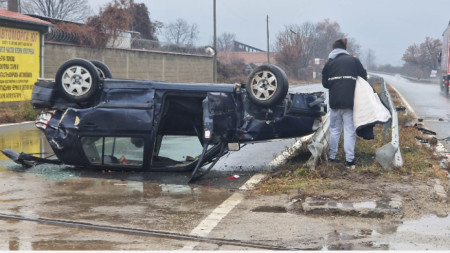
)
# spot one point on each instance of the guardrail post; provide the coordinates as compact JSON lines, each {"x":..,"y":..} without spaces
{"x":385,"y":100}
{"x":389,"y":155}
{"x":316,"y":144}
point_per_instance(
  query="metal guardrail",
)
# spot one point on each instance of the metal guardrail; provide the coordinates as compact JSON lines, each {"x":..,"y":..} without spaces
{"x":315,"y":146}
{"x":389,"y":155}
{"x":410,"y":78}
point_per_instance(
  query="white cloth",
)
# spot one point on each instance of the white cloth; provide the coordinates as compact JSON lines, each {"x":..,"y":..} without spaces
{"x":367,"y":107}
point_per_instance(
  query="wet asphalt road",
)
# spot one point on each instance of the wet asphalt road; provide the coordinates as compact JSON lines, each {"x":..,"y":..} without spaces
{"x":132,"y":211}
{"x":428,"y":103}
{"x":149,"y":201}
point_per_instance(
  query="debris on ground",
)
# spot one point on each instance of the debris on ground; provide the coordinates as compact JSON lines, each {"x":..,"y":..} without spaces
{"x":234,"y":177}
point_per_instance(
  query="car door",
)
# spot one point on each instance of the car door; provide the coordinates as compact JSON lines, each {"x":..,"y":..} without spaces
{"x":117,"y":132}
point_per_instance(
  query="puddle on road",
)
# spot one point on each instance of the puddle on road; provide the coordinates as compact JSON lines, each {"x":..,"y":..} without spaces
{"x":140,"y":205}
{"x":431,"y":225}
{"x":408,"y":235}
{"x":270,"y":209}
{"x":26,"y":139}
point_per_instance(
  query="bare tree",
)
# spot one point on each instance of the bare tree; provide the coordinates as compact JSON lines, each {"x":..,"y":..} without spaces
{"x":115,"y":19}
{"x":421,"y":59}
{"x":180,"y":32}
{"x":70,"y":10}
{"x":353,"y":47}
{"x":289,"y":49}
{"x":308,"y":36}
{"x":141,"y":21}
{"x":431,"y":48}
{"x":368,"y":59}
{"x":112,"y":21}
{"x":297,"y":46}
{"x":225,"y":42}
{"x":327,"y":33}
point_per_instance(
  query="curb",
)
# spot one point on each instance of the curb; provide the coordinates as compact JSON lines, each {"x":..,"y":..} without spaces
{"x":11,"y":125}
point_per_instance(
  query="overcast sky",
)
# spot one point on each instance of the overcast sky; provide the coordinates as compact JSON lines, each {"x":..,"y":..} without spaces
{"x":387,"y":27}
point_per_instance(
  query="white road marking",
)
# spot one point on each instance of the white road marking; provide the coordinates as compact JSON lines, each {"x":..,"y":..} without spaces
{"x":209,"y":223}
{"x":250,"y":184}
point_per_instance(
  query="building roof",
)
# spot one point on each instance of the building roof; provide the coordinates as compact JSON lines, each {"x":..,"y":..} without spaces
{"x":13,"y":19}
{"x":14,"y":16}
{"x":53,"y":20}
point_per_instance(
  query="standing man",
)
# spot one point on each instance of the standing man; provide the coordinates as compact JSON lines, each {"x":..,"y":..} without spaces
{"x":339,"y":77}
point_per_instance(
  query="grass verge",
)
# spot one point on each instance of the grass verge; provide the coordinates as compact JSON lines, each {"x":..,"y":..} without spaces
{"x":17,"y":112}
{"x":419,"y":163}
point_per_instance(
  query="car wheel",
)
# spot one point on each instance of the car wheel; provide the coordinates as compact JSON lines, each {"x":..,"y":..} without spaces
{"x":77,"y":80}
{"x":102,"y":69}
{"x":267,"y":85}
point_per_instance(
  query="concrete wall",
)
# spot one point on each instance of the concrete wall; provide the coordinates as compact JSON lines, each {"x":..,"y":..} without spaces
{"x":134,"y":64}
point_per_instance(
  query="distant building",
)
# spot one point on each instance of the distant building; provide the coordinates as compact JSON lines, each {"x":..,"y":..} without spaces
{"x":257,"y":58}
{"x":245,"y":53}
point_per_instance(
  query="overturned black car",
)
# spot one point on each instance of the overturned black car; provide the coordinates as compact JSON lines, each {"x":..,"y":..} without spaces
{"x":93,"y":120}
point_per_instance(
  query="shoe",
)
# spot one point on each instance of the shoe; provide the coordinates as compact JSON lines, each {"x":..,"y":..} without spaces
{"x":334,"y":160}
{"x":349,"y":165}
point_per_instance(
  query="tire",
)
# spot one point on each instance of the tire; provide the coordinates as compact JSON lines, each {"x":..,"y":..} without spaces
{"x":77,"y":80}
{"x":102,"y":69}
{"x":267,"y":85}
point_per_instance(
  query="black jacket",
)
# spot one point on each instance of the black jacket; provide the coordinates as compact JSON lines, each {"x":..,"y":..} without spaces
{"x":339,"y":76}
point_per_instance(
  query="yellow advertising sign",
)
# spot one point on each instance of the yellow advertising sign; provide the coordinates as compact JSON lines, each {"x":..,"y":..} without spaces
{"x":19,"y":63}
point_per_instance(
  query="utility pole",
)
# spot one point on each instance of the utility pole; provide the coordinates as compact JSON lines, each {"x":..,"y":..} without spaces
{"x":268,"y":51}
{"x":215,"y":47}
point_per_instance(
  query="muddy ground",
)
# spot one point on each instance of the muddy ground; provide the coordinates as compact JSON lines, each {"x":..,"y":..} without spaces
{"x":418,"y":196}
